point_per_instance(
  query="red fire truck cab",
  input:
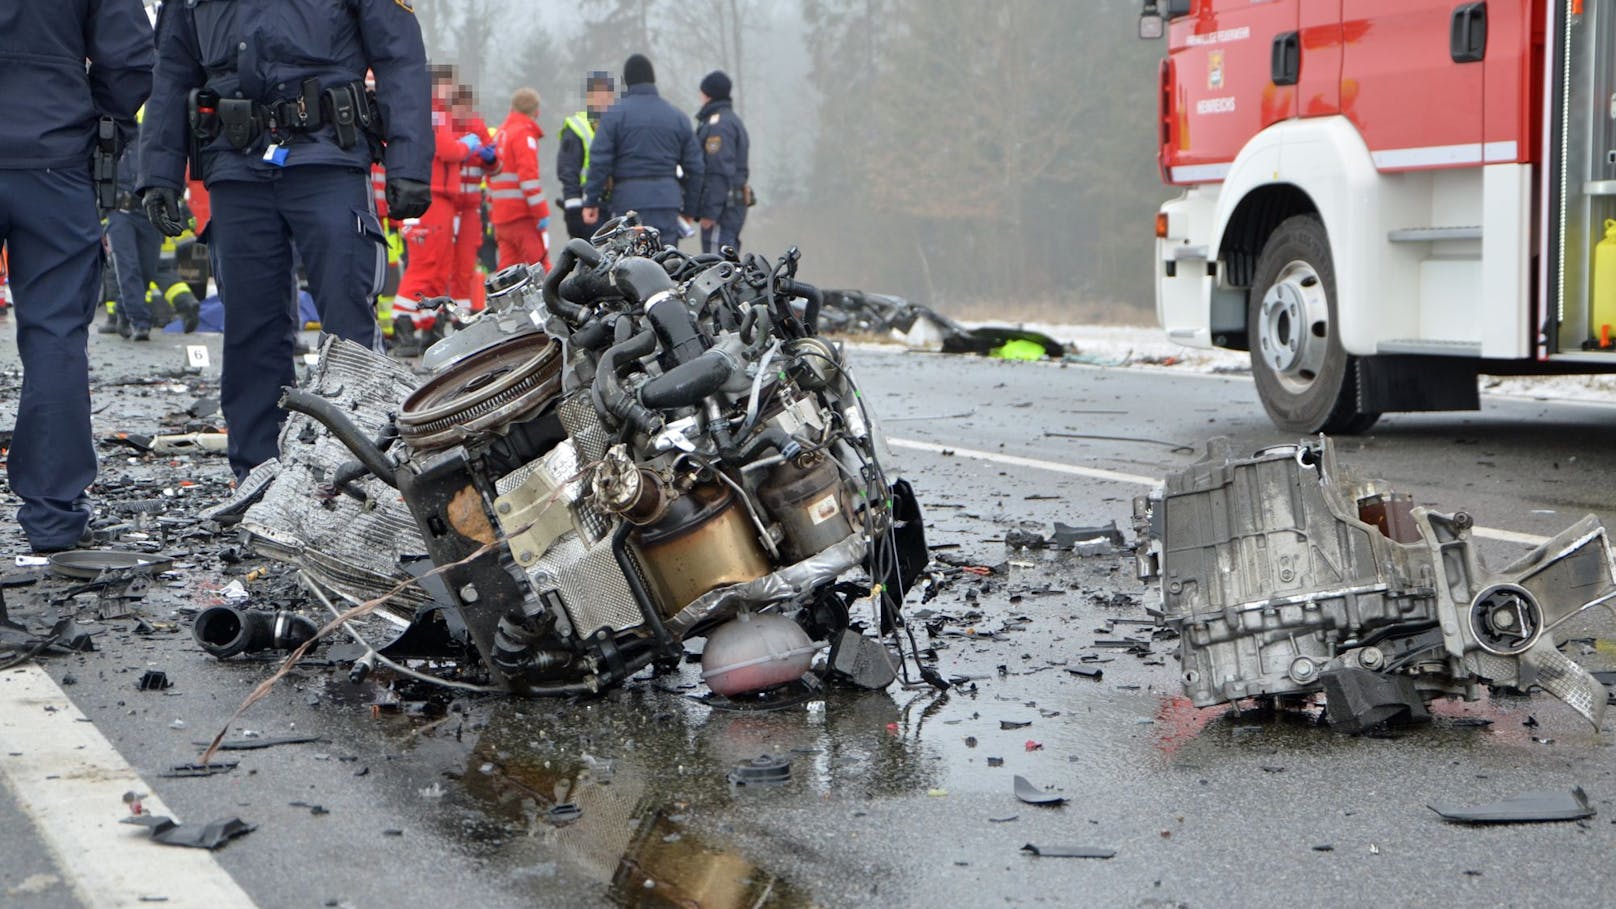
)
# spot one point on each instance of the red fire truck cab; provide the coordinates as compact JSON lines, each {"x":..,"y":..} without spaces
{"x":1384,"y":198}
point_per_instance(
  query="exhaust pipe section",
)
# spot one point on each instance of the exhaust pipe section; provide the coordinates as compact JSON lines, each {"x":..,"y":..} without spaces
{"x":226,"y":631}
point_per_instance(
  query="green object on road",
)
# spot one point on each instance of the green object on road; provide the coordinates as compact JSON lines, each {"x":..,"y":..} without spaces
{"x":1019,"y":349}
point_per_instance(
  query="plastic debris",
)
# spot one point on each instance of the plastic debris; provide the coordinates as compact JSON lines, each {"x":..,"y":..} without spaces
{"x":564,"y":813}
{"x":154,"y":680}
{"x":1093,"y":852}
{"x":1526,"y":808}
{"x":182,"y":771}
{"x":212,"y":835}
{"x":1033,"y":795}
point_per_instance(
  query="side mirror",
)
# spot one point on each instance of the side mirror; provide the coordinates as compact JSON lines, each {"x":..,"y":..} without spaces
{"x":1150,"y":22}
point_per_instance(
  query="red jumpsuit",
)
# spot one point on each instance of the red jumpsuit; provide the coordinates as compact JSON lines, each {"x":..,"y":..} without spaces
{"x":464,"y":284}
{"x":518,"y":195}
{"x":430,"y":242}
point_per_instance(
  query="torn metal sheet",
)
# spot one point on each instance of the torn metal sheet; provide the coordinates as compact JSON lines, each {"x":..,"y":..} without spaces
{"x":1526,"y":808}
{"x":1282,"y":570}
{"x":292,"y":513}
{"x":193,"y":836}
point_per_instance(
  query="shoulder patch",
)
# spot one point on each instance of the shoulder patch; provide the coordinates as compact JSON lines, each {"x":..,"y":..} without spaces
{"x":714,"y":143}
{"x":533,"y":142}
{"x":405,"y":5}
{"x":713,"y":119}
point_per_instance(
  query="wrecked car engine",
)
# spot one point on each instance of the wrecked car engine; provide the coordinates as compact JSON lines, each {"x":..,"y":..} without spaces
{"x":1285,"y":576}
{"x":639,"y":448}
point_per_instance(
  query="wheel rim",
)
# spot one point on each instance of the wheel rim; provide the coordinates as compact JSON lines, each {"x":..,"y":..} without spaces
{"x":1293,"y":327}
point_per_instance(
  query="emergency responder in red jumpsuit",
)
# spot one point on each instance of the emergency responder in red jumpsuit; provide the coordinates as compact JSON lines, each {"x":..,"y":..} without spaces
{"x":521,"y":214}
{"x":430,"y":242}
{"x":465,"y":287}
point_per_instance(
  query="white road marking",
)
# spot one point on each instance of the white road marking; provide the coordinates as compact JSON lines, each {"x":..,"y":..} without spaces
{"x":70,"y":782}
{"x":1095,"y":473}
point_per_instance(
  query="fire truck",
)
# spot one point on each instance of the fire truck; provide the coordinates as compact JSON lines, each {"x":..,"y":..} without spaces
{"x":1383,"y":199}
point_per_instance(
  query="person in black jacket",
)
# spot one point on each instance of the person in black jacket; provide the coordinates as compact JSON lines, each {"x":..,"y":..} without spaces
{"x":51,"y":104}
{"x":725,"y":194}
{"x":646,"y":151}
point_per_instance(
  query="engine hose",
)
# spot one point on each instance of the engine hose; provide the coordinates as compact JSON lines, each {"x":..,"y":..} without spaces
{"x":813,"y":298}
{"x":594,"y":336}
{"x":577,"y":250}
{"x":326,"y":414}
{"x":770,"y":437}
{"x":631,"y":574}
{"x":687,"y":384}
{"x":609,"y":394}
{"x":639,"y":279}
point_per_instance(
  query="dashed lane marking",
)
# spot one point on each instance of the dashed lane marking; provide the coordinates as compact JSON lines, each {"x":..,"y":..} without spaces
{"x":1114,"y":476}
{"x":69,"y":780}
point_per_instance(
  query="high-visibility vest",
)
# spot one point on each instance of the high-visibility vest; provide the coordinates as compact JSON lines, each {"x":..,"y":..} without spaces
{"x":579,"y":124}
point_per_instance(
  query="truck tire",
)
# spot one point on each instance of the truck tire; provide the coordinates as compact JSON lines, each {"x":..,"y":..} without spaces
{"x":1306,"y":381}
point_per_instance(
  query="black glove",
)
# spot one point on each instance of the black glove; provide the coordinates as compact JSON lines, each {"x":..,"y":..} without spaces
{"x":407,"y":198}
{"x":163,"y":210}
{"x":575,"y":223}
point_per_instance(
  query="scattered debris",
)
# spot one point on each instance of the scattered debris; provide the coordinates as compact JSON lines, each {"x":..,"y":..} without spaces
{"x":1348,"y":563}
{"x":1092,"y":852}
{"x":1085,"y":541}
{"x":183,"y":771}
{"x":1526,"y":808}
{"x":226,"y":631}
{"x":194,"y":836}
{"x":1032,"y":795}
{"x":154,"y":680}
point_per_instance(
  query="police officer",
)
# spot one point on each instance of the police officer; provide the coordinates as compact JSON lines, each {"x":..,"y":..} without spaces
{"x":572,"y":160}
{"x":641,"y":146}
{"x":270,"y":97}
{"x":52,"y":231}
{"x":723,"y":140}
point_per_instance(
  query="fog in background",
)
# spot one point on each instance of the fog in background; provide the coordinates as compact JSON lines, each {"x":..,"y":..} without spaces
{"x":987,"y":158}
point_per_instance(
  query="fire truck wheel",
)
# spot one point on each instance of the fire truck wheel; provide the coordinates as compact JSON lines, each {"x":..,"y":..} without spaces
{"x":1307,"y":382}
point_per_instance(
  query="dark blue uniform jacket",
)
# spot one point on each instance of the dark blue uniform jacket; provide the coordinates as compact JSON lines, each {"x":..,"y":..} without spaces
{"x":724,"y":143}
{"x":49,"y":99}
{"x":639,"y":144}
{"x":262,"y":50}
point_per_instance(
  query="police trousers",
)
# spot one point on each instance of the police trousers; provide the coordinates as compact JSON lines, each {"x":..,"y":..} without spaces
{"x":328,"y":214}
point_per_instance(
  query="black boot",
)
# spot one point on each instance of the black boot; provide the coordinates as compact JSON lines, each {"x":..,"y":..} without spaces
{"x":190,"y":311}
{"x":110,"y":326}
{"x":406,"y":342}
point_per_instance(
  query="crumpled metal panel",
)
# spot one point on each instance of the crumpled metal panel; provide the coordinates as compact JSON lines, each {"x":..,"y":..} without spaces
{"x":350,"y":546}
{"x":1272,"y":576}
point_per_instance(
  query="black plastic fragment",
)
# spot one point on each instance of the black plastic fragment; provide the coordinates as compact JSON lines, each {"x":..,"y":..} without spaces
{"x":193,"y":836}
{"x":1526,"y":808}
{"x":1357,"y":700}
{"x":257,"y":744}
{"x":862,"y":662}
{"x":1093,"y":852}
{"x":1014,"y":724}
{"x":564,"y":813}
{"x":181,"y":771}
{"x":1087,"y":672}
{"x":154,"y":680}
{"x":1032,"y":795}
{"x":761,"y":771}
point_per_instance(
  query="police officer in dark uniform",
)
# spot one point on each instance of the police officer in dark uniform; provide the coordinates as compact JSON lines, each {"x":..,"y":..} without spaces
{"x":269,"y":97}
{"x":641,"y":146}
{"x":724,"y":190}
{"x":50,"y":105}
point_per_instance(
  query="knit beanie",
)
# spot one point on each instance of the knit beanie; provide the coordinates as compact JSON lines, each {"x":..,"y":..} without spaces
{"x":637,"y":71}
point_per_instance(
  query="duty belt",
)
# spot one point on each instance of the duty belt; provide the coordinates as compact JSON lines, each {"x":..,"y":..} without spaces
{"x":348,"y":109}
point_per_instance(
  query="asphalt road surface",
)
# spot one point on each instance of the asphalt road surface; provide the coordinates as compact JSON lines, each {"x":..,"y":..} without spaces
{"x":901,"y":798}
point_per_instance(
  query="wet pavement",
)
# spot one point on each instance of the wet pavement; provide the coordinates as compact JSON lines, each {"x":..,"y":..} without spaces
{"x":906,"y":796}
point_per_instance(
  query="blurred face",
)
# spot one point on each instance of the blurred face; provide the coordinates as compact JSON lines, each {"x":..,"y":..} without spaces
{"x":598,"y":98}
{"x":442,"y":91}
